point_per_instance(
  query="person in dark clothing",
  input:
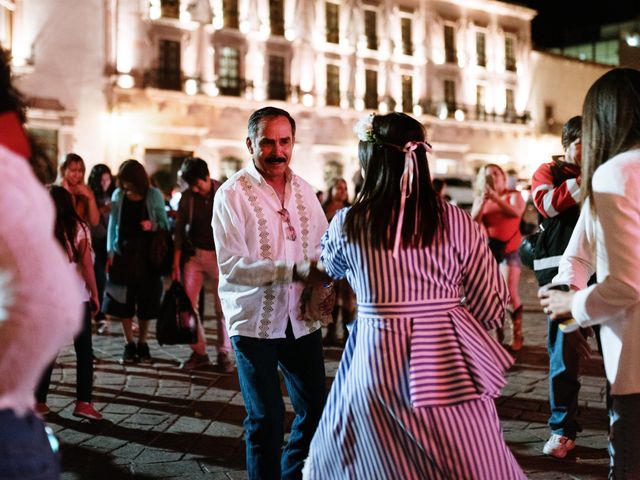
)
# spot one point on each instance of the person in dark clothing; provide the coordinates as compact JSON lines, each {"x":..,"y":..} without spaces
{"x":196,"y":251}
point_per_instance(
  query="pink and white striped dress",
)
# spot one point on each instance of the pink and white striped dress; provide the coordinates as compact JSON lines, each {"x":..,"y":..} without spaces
{"x":413,"y":396}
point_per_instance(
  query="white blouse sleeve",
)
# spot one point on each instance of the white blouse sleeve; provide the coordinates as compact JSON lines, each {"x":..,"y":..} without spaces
{"x":617,"y":200}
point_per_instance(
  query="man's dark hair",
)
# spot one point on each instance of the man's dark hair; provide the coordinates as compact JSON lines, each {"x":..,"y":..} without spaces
{"x":193,"y":169}
{"x":267,"y":112}
{"x":571,"y":131}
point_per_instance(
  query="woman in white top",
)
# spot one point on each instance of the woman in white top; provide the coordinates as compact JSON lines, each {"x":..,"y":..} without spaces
{"x":606,"y":240}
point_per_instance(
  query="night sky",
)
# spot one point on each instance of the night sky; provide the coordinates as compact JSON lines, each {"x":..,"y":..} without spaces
{"x":560,"y":21}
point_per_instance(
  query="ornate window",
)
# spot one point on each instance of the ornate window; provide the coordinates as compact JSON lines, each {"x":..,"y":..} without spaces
{"x":170,"y":8}
{"x":371,"y":89}
{"x":449,"y":44}
{"x":332,"y":16}
{"x":276,"y":17}
{"x":481,"y":50}
{"x":229,"y":71}
{"x":509,"y":54}
{"x":333,"y":85}
{"x":510,"y":108}
{"x":277,"y":85}
{"x":230,"y":12}
{"x":407,"y":93}
{"x":370,"y":28}
{"x":405,"y":30}
{"x":168,"y":73}
{"x":450,"y":96}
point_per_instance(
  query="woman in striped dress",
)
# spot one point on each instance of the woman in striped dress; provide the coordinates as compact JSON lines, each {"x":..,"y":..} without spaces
{"x":414,"y":393}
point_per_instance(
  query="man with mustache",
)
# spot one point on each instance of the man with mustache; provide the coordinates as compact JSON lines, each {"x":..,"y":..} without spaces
{"x":267,"y":225}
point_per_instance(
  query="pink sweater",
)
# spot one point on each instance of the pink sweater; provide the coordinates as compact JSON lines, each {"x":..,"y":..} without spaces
{"x":40,"y":305}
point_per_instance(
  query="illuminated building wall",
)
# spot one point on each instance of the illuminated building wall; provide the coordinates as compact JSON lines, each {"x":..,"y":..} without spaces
{"x":160,"y":79}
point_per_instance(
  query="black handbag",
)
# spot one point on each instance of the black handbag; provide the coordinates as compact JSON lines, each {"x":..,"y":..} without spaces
{"x":177,"y":322}
{"x":527,"y":249}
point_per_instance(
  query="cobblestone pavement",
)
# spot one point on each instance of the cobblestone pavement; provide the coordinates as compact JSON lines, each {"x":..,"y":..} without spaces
{"x":161,"y":422}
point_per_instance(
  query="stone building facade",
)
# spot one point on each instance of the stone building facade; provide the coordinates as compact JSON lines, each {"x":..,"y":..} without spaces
{"x":160,"y":79}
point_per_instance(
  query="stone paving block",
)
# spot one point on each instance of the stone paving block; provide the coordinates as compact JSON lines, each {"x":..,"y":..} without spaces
{"x":156,"y":455}
{"x":146,"y":419}
{"x":104,"y":443}
{"x":538,"y":417}
{"x":121,"y":408}
{"x":224,"y":429}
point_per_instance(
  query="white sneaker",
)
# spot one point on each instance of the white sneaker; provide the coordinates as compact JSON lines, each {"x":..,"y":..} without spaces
{"x":558,"y":446}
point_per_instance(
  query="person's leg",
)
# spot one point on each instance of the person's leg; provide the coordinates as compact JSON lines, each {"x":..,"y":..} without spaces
{"x":42,"y":390}
{"x":84,"y":359}
{"x":624,"y":441}
{"x":257,"y":362}
{"x":564,"y":387}
{"x":147,"y":302}
{"x":192,"y":279}
{"x":513,"y":281}
{"x":302,"y":364}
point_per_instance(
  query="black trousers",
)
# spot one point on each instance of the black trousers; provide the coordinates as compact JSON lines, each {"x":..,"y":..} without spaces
{"x":84,"y":364}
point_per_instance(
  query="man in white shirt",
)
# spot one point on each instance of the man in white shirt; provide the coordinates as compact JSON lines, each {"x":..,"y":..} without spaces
{"x":267,"y":225}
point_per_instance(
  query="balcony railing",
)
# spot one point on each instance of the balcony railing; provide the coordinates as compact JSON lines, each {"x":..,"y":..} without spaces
{"x":233,"y":86}
{"x":164,"y":78}
{"x":443,"y":109}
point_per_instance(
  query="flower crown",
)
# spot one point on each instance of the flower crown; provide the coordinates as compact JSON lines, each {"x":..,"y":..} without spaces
{"x":364,"y":128}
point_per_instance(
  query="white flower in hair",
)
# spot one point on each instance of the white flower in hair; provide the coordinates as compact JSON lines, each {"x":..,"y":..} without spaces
{"x":364,"y":128}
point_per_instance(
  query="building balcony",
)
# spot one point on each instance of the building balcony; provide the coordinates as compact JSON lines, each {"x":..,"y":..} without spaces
{"x":459,"y":111}
{"x":163,"y":78}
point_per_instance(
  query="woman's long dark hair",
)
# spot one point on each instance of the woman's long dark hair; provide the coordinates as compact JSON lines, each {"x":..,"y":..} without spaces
{"x":133,"y":172}
{"x":95,"y":180}
{"x":67,"y":221}
{"x":610,"y":122}
{"x":375,"y":209}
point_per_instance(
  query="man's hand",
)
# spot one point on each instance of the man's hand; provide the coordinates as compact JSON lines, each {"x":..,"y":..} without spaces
{"x":556,"y":304}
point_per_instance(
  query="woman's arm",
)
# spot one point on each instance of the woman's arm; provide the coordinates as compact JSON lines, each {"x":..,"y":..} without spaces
{"x":513,"y":205}
{"x":85,"y":266}
{"x":617,"y":200}
{"x":477,"y":208}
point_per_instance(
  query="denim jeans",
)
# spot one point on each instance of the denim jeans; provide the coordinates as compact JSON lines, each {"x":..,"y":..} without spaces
{"x":563,"y":383}
{"x":25,"y":451}
{"x":302,"y":366}
{"x":624,"y":437}
{"x":83,"y":346}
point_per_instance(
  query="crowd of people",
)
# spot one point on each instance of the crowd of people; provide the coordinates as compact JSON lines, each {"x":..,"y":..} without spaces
{"x":416,"y":290}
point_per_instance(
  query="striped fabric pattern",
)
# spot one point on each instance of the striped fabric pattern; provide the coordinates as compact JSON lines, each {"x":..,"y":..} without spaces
{"x":413,"y":396}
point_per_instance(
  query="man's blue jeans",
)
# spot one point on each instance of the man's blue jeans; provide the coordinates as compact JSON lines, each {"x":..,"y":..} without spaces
{"x":624,"y":440}
{"x":563,"y":384}
{"x":301,"y":362}
{"x":25,"y":450}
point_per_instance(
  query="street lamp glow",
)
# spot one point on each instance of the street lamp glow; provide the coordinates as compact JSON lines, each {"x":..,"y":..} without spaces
{"x":191,"y":86}
{"x":417,"y":110}
{"x":125,"y":81}
{"x":459,"y":115}
{"x":307,"y":100}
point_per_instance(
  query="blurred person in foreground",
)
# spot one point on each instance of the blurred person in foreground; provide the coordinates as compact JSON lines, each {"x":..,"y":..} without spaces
{"x":605,"y":241}
{"x":40,"y":303}
{"x":415,"y":389}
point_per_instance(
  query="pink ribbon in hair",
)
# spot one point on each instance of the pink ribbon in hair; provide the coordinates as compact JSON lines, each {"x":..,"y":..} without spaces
{"x":406,"y":184}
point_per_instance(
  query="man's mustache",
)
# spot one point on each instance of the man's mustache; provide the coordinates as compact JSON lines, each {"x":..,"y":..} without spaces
{"x":276,"y":160}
